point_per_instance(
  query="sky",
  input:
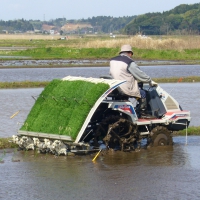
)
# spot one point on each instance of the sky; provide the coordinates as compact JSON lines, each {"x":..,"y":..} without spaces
{"x":82,"y":9}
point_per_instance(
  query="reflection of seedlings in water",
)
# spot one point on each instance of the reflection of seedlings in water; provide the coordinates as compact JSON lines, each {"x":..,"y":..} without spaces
{"x":46,"y":156}
{"x":14,"y":152}
{"x":36,"y":153}
{"x":2,"y":157}
{"x":15,"y":160}
{"x":25,"y":153}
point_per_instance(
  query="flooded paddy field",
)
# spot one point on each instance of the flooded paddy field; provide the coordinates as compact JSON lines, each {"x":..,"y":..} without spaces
{"x":13,"y":100}
{"x":156,"y":173}
{"x":47,"y":74}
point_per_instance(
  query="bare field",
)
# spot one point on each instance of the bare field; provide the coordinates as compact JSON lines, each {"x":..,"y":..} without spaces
{"x":173,"y":43}
{"x":179,"y":43}
{"x":28,"y":37}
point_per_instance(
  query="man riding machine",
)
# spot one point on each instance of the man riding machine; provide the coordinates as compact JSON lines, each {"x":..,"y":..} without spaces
{"x":123,"y":67}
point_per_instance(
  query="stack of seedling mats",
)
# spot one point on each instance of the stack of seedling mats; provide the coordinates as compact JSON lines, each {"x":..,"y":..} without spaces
{"x":63,"y":106}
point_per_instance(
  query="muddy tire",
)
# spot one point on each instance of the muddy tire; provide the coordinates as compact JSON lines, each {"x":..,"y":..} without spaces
{"x":117,"y":132}
{"x":161,"y":137}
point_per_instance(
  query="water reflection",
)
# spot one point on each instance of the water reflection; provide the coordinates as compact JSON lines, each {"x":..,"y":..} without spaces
{"x":11,"y":101}
{"x":188,"y":95}
{"x":156,"y":173}
{"x":47,"y":74}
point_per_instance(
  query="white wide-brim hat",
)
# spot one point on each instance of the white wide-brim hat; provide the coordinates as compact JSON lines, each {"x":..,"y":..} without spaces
{"x":126,"y":48}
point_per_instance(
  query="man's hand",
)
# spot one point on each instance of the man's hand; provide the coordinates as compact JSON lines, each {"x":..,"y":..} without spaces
{"x":153,"y":84}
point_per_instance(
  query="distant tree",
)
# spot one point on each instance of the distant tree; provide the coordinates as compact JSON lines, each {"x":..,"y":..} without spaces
{"x":174,"y":20}
{"x":183,"y":17}
{"x":61,"y":32}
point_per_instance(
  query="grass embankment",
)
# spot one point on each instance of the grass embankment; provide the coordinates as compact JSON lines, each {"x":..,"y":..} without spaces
{"x":100,"y":47}
{"x":188,"y":79}
{"x":193,"y":130}
{"x":5,"y":144}
{"x":107,"y":53}
{"x":23,"y":84}
{"x":29,"y":84}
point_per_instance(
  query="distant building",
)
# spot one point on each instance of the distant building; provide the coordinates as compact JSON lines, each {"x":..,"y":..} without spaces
{"x":37,"y":31}
{"x":77,"y":28}
{"x":52,"y":32}
{"x":50,"y":29}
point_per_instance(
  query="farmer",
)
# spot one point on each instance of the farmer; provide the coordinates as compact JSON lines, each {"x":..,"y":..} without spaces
{"x":122,"y":67}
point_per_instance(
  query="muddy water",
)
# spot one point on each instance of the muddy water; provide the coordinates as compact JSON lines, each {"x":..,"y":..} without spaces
{"x":156,"y":173}
{"x":12,"y":101}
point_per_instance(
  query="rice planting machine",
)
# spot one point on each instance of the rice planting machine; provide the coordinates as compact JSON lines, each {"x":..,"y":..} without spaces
{"x":81,"y":124}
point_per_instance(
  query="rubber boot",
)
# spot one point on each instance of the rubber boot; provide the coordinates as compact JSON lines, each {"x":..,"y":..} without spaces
{"x":143,"y":104}
{"x":142,"y":107}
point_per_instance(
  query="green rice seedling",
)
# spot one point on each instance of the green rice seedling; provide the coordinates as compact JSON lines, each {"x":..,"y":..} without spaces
{"x":63,"y":106}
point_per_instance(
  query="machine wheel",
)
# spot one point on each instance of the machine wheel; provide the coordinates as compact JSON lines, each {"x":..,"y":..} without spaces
{"x":117,"y":132}
{"x":161,"y":137}
{"x":160,"y":140}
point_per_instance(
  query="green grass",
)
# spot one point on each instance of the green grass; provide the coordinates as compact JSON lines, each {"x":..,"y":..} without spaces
{"x":63,"y":106}
{"x":188,"y":79}
{"x":104,"y":53}
{"x":23,"y":84}
{"x":5,"y":144}
{"x":33,"y":84}
{"x":155,"y":54}
{"x":192,"y":130}
{"x":66,"y":53}
{"x":75,"y":48}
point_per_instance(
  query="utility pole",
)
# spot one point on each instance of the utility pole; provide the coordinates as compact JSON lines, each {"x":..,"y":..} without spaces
{"x":167,"y":29}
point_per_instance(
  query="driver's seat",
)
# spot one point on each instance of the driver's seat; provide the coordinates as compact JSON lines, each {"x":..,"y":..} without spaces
{"x":116,"y":94}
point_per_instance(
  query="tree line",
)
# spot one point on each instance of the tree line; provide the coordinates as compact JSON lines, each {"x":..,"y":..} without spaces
{"x":16,"y":25}
{"x":183,"y":19}
{"x":101,"y":24}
